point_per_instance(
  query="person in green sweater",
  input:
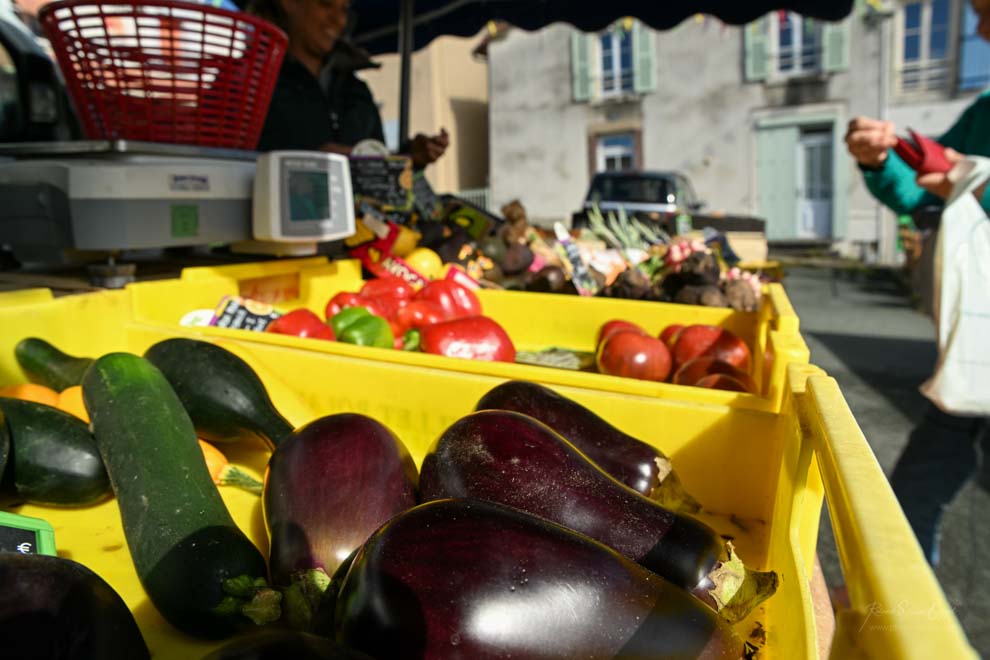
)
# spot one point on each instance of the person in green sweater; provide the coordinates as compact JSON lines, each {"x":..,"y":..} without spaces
{"x":945,"y":450}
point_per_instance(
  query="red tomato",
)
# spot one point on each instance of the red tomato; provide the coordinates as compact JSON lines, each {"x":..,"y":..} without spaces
{"x":669,"y":334}
{"x":346,"y":299}
{"x":710,"y":340}
{"x":693,"y":371}
{"x":611,"y":327}
{"x":630,"y":354}
{"x":455,"y":300}
{"x":301,"y":323}
{"x":721,"y":382}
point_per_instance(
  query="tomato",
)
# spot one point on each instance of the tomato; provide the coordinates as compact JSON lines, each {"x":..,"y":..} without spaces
{"x":611,"y":327}
{"x":669,"y":334}
{"x":721,"y":382}
{"x":693,"y":371}
{"x":710,"y":341}
{"x":630,"y":354}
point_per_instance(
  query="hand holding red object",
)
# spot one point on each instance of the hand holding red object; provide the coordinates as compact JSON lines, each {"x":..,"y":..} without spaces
{"x":455,"y":300}
{"x":923,"y":154}
{"x":301,"y":323}
{"x":475,"y":338}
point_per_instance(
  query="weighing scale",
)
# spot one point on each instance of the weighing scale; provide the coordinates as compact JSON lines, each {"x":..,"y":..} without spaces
{"x":110,"y":196}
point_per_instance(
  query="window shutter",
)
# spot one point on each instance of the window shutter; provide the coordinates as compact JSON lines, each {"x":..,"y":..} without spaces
{"x":580,"y":67}
{"x":835,"y":46}
{"x":757,"y":47}
{"x":643,"y":57}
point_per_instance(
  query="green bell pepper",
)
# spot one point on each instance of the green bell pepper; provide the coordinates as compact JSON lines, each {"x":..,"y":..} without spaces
{"x":356,"y":325}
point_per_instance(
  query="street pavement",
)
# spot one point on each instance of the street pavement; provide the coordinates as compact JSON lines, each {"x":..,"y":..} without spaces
{"x":862,"y":329}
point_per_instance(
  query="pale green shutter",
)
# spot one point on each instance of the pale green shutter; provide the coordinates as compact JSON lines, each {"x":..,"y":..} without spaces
{"x":580,"y":67}
{"x":776,"y":165}
{"x":757,"y":47}
{"x":643,"y":57}
{"x":835,"y":46}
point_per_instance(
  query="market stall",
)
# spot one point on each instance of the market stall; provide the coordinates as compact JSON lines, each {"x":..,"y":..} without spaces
{"x":387,"y":456}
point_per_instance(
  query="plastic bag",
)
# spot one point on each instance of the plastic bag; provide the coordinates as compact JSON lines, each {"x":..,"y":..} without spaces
{"x":961,"y":382}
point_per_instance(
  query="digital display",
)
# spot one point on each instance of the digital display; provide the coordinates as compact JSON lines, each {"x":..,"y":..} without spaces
{"x":309,"y":196}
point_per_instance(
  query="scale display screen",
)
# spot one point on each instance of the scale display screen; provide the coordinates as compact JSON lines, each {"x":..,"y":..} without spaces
{"x":302,"y":196}
{"x":309,"y":196}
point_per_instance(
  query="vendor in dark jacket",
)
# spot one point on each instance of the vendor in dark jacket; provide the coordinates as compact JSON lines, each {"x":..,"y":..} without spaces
{"x":318,"y":103}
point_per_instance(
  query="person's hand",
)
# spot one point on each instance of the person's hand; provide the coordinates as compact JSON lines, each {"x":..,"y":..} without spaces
{"x":942,"y":183}
{"x":869,"y":139}
{"x":334,"y":148}
{"x":425,"y":150}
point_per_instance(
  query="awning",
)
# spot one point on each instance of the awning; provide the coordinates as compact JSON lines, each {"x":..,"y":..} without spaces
{"x":378,"y":21}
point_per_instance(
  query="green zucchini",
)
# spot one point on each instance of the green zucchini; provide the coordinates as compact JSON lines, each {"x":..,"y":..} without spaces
{"x":53,"y":457}
{"x":221,"y":392}
{"x":44,"y":364}
{"x":201,"y":572}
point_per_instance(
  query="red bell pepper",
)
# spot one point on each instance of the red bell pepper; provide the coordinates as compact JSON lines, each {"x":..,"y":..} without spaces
{"x":301,"y":323}
{"x":390,"y":287}
{"x":419,"y":313}
{"x":456,"y":301}
{"x":474,"y":337}
{"x":347,"y":299}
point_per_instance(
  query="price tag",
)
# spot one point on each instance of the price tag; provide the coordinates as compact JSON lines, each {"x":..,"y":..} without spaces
{"x":28,"y":536}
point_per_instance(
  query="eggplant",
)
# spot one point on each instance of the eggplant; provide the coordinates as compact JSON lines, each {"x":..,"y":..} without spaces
{"x":330,"y":484}
{"x":518,"y":461}
{"x":273,"y":644}
{"x":475,"y":580}
{"x":644,"y":468}
{"x":52,"y":607}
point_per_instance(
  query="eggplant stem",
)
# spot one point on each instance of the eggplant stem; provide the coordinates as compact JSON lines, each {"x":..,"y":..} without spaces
{"x":302,"y":597}
{"x":670,"y":493}
{"x":252,"y":598}
{"x":264,"y":608}
{"x":738,"y":589}
{"x":234,"y":476}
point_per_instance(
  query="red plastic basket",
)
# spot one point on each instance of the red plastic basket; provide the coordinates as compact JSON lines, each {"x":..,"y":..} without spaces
{"x":166,"y":71}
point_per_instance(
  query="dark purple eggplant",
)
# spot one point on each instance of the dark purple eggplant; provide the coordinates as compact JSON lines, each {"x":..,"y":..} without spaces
{"x":642,"y":467}
{"x":516,"y":460}
{"x":56,"y":608}
{"x":276,"y":644}
{"x":330,"y":484}
{"x":467,"y":579}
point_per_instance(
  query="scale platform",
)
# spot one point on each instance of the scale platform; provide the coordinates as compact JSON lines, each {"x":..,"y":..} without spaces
{"x":109,"y":196}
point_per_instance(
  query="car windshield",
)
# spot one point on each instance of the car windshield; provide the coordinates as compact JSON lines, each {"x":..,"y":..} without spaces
{"x":644,"y":189}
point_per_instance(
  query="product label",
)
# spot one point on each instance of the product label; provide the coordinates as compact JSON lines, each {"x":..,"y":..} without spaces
{"x":185,"y":221}
{"x":13,"y":539}
{"x":239,"y":313}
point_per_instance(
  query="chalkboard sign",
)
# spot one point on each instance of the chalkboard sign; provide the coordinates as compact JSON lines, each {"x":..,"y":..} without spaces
{"x":28,"y":536}
{"x":386,"y":181}
{"x":424,"y":199}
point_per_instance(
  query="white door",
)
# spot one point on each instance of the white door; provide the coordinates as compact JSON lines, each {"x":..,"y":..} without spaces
{"x":814,"y":185}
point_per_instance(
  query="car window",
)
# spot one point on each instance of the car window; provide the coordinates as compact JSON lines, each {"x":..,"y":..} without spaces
{"x":642,"y":189}
{"x":685,"y":193}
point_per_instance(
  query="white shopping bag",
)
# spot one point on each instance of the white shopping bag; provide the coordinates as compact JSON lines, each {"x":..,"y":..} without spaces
{"x":961,"y":382}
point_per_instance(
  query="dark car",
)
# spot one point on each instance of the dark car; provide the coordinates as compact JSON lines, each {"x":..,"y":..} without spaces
{"x":667,"y":198}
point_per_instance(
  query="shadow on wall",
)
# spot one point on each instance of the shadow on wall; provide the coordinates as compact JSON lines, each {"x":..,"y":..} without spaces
{"x":471,"y":128}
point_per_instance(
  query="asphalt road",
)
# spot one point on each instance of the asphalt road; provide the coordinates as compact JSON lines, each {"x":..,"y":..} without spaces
{"x":866,"y":334}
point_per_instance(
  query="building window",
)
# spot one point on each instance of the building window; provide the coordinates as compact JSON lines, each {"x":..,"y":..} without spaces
{"x":925,"y":55}
{"x":616,"y":62}
{"x":616,"y":153}
{"x":796,"y":43}
{"x":974,"y":54}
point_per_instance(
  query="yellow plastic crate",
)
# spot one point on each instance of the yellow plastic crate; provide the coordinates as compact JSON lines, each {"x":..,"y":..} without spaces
{"x":534,"y":321}
{"x":764,"y":472}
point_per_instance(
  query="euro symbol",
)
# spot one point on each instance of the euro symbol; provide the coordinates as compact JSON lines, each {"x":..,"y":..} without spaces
{"x":24,"y":548}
